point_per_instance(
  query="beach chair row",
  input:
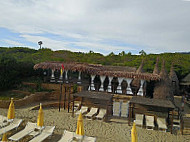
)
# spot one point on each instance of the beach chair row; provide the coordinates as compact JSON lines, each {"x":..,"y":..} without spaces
{"x":96,"y":113}
{"x":149,"y":121}
{"x":39,"y":133}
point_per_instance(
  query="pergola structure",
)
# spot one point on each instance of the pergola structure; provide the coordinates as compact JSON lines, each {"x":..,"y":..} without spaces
{"x":152,"y":105}
{"x":122,"y":73}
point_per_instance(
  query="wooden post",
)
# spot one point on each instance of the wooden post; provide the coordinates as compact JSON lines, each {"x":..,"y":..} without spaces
{"x":129,"y":119}
{"x":60,"y":96}
{"x":181,"y":126}
{"x":73,"y":105}
{"x":132,"y":110}
{"x":65,"y":96}
{"x":168,"y":119}
{"x":106,"y":116}
{"x":172,"y":122}
{"x":68,"y":103}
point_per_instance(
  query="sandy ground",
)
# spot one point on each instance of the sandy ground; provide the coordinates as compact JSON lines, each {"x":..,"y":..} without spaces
{"x":104,"y":132}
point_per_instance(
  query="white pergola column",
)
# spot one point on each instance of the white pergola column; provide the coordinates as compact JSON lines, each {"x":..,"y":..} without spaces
{"x":102,"y":79}
{"x":66,"y":76}
{"x":91,"y":87}
{"x":119,"y":90}
{"x":79,"y":78}
{"x":140,"y":92}
{"x":128,"y":90}
{"x":109,"y":85}
{"x":52,"y":76}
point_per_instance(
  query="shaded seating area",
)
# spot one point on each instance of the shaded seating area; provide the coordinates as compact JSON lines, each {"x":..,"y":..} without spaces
{"x":151,"y":106}
{"x":94,"y":100}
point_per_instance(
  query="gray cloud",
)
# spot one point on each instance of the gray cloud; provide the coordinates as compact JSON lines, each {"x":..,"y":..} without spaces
{"x":153,"y":25}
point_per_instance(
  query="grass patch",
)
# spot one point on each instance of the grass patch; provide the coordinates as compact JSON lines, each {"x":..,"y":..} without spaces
{"x":33,"y":89}
{"x":7,"y":95}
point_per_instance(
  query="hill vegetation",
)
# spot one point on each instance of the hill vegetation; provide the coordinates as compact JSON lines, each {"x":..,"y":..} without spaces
{"x":17,"y":63}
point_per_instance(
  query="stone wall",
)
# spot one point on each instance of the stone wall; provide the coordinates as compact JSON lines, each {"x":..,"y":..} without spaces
{"x":39,"y":96}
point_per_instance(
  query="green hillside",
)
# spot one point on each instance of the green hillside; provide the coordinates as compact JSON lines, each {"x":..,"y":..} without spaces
{"x":20,"y":60}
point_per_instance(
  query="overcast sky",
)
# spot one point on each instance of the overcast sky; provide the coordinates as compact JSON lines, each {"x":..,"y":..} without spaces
{"x":104,"y":26}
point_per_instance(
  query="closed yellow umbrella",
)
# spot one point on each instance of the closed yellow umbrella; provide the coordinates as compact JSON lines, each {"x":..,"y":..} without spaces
{"x":80,"y":126}
{"x":40,"y":121}
{"x":134,"y":133}
{"x":4,"y":138}
{"x":11,"y":111}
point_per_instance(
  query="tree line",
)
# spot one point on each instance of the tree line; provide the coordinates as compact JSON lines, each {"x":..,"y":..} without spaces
{"x":17,"y":63}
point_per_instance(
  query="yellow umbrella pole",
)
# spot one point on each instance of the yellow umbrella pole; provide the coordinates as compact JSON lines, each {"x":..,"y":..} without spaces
{"x":40,"y":121}
{"x":4,"y":138}
{"x":80,"y":126}
{"x":134,"y":133}
{"x":11,"y":111}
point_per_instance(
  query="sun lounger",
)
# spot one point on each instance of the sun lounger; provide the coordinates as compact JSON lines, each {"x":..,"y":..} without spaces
{"x":89,"y":139}
{"x":15,"y":123}
{"x":28,"y":129}
{"x":139,"y":119}
{"x":82,"y":110}
{"x":149,"y":121}
{"x":124,"y":109}
{"x":161,"y":123}
{"x":3,"y":121}
{"x":69,"y":136}
{"x":101,"y":114}
{"x":116,"y":109}
{"x":92,"y":112}
{"x":48,"y":131}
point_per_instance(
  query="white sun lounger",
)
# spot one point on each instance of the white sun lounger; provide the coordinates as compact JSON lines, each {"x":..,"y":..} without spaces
{"x":68,"y":137}
{"x":139,"y":119}
{"x":101,"y":114}
{"x":89,"y":139}
{"x":48,"y":131}
{"x":116,"y":108}
{"x":161,"y":123}
{"x":92,"y":112}
{"x":15,"y":123}
{"x":27,"y":130}
{"x":149,"y":122}
{"x":82,"y":110}
{"x":124,"y":109}
{"x":3,"y":121}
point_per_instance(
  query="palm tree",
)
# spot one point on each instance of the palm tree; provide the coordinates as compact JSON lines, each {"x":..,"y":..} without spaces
{"x":40,"y":43}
